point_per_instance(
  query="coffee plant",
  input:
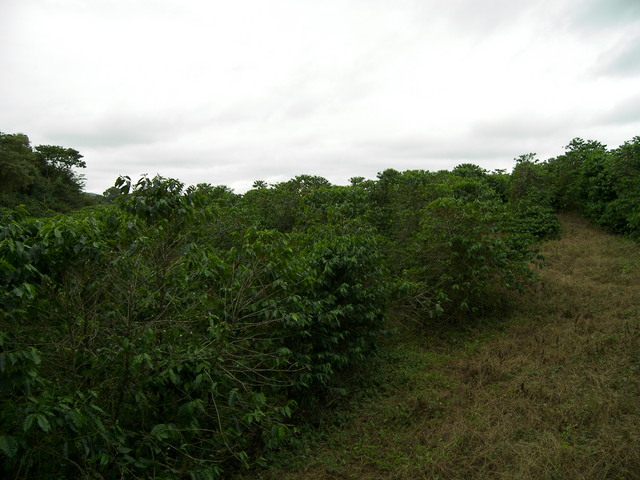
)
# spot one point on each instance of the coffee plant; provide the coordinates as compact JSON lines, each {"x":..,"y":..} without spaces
{"x":170,"y":332}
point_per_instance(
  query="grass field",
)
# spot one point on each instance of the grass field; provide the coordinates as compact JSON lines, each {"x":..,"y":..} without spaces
{"x":551,"y":392}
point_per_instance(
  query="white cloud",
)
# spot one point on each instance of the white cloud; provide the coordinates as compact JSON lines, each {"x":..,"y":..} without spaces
{"x":231,"y":92}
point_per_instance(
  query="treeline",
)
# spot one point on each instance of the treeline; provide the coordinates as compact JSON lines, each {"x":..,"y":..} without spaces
{"x":42,"y":179}
{"x":602,"y":184}
{"x":177,"y":332}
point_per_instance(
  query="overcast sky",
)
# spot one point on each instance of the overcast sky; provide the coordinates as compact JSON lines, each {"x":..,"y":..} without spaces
{"x":229,"y":92}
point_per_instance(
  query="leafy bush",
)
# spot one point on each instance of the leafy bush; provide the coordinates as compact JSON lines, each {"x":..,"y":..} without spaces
{"x":528,"y":218}
{"x":602,"y":184}
{"x":622,"y":215}
{"x":344,"y":295}
{"x":181,"y":332}
{"x":144,"y":350}
{"x":463,"y":257}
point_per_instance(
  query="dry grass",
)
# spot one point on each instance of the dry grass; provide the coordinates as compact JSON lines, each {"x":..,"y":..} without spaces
{"x":552,"y":393}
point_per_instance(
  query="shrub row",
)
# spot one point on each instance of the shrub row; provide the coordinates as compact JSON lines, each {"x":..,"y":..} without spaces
{"x":133,"y":345}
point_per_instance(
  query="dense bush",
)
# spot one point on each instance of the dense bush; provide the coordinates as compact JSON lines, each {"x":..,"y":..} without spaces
{"x":525,"y":217}
{"x":133,"y":347}
{"x":604,"y":185}
{"x":622,"y":214}
{"x":463,"y":258}
{"x":180,"y":332}
{"x":453,"y":244}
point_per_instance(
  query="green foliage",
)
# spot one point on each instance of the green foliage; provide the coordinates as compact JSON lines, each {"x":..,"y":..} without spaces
{"x":397,"y":198}
{"x":463,"y":257}
{"x":622,"y":214}
{"x":343,"y":297}
{"x":17,"y":166}
{"x":530,"y":182}
{"x":468,"y":170}
{"x":163,"y":351}
{"x":18,"y":271}
{"x":180,"y":332}
{"x":602,"y":184}
{"x":40,"y":178}
{"x":452,"y":244}
{"x":539,"y":221}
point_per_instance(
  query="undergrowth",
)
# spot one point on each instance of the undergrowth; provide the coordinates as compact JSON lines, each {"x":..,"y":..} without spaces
{"x":550,"y":392}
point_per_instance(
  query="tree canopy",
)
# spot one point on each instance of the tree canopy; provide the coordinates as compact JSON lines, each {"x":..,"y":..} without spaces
{"x":43,"y":178}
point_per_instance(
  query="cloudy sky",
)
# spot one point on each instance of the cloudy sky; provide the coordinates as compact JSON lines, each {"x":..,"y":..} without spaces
{"x":229,"y":92}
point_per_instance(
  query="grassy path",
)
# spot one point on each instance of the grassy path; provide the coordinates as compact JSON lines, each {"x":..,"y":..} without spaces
{"x":553,"y":392}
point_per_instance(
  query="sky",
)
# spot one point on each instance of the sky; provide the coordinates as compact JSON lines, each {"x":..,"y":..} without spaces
{"x":230,"y":92}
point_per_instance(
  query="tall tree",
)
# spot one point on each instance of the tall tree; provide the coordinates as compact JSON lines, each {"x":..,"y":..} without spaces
{"x":43,"y":178}
{"x":17,"y":163}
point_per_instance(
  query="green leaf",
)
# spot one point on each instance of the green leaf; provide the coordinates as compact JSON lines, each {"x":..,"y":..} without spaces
{"x":43,"y":422}
{"x":77,"y":420}
{"x":243,"y":457}
{"x":197,"y":381}
{"x":8,"y":445}
{"x":28,"y":422}
{"x":34,"y":356}
{"x":233,"y":397}
{"x":259,"y":399}
{"x":160,"y":430}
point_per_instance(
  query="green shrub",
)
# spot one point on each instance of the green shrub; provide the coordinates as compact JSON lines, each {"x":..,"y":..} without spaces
{"x":464,"y":257}
{"x":145,"y":350}
{"x":528,"y":218}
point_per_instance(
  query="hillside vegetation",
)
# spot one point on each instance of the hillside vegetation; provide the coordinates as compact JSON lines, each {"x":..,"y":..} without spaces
{"x":173,"y":332}
{"x":43,"y":179}
{"x":551,"y":392}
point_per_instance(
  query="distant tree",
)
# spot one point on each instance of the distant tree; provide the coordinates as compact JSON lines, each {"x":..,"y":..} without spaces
{"x":17,"y":163}
{"x":59,"y":158}
{"x":499,"y":181}
{"x":303,"y":182}
{"x":469,"y":170}
{"x":530,"y":182}
{"x":111,"y":193}
{"x":592,"y":186}
{"x":42,"y":178}
{"x":61,"y":184}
